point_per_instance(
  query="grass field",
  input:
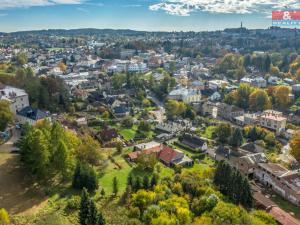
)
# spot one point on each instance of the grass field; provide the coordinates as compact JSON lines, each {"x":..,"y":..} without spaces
{"x":127,"y":134}
{"x":208,"y":132}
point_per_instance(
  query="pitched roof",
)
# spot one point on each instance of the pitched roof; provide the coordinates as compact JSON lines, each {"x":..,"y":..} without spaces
{"x":32,"y":113}
{"x":168,"y":154}
{"x":282,"y":217}
{"x":192,"y":141}
{"x":156,"y":149}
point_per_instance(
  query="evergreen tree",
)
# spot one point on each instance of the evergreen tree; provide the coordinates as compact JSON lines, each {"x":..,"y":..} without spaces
{"x":130,"y":180}
{"x":153,"y":180}
{"x":101,"y":220}
{"x":137,"y":184}
{"x":146,"y":182}
{"x":236,"y":138}
{"x":92,"y":218}
{"x":102,"y":192}
{"x":84,"y":208}
{"x":115,"y":186}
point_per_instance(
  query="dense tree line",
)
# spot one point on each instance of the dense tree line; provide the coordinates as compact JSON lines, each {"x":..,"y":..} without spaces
{"x":48,"y":150}
{"x":233,"y":184}
{"x":49,"y":93}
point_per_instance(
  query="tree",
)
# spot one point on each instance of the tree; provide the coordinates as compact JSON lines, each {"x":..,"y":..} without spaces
{"x":101,"y":220}
{"x":119,"y":147}
{"x":4,"y":217}
{"x":153,"y":180}
{"x":143,"y":198}
{"x":146,"y":161}
{"x":295,"y":146}
{"x":102,"y":192}
{"x":127,"y":122}
{"x":88,"y":151}
{"x":175,"y":108}
{"x":233,"y":184}
{"x":242,"y":96}
{"x":223,"y":132}
{"x":84,"y":208}
{"x":85,"y":177}
{"x":118,"y":80}
{"x":259,"y":100}
{"x":115,"y":186}
{"x":236,"y":139}
{"x":62,"y":66}
{"x":21,"y":59}
{"x":146,"y":184}
{"x":92,"y":217}
{"x":144,"y":126}
{"x":6,"y":115}
{"x":281,"y":96}
{"x":227,"y":214}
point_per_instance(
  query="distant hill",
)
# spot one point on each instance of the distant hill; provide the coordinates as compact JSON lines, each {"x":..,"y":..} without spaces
{"x":85,"y":31}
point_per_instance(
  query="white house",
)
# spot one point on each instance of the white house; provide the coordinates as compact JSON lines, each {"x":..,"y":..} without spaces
{"x":18,"y":98}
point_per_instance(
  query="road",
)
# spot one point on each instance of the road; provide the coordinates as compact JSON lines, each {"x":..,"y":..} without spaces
{"x":9,"y":145}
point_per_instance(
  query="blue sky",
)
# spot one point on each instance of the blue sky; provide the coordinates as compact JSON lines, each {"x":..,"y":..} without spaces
{"x":154,"y":15}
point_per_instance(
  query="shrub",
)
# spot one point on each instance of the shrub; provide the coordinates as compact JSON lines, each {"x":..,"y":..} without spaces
{"x":73,"y":203}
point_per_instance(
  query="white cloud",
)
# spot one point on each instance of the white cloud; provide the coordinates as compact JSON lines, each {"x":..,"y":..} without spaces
{"x":6,"y":4}
{"x":185,"y":7}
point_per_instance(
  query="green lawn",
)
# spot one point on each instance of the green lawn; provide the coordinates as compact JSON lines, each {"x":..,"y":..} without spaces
{"x":287,"y":206}
{"x":208,"y":132}
{"x":127,"y":134}
{"x":113,"y":171}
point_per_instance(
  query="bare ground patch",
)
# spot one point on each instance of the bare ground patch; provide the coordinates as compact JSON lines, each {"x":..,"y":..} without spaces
{"x":18,"y":193}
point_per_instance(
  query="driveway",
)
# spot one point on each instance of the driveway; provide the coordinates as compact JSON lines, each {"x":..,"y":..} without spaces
{"x":9,"y":145}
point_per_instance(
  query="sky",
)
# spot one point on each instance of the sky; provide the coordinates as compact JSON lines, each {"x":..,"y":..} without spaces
{"x":146,"y":15}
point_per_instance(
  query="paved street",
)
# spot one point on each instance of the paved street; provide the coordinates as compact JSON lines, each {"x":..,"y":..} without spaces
{"x":9,"y":145}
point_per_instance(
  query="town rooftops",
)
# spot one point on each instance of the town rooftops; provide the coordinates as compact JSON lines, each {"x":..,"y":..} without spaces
{"x":32,"y":113}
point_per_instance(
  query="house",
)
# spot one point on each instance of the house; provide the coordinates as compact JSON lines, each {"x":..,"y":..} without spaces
{"x":229,"y":112}
{"x":173,"y":127}
{"x":171,"y":157}
{"x":209,"y":109}
{"x":247,"y":163}
{"x":194,"y":142}
{"x":217,"y":84}
{"x":186,"y":95}
{"x":164,"y":153}
{"x":31,"y":115}
{"x":143,"y":146}
{"x":256,"y":82}
{"x":148,"y":148}
{"x":273,"y":120}
{"x":17,"y":98}
{"x":284,"y":182}
{"x":251,"y":148}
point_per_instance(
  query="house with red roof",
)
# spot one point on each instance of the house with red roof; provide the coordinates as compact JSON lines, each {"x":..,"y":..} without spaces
{"x":164,"y":153}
